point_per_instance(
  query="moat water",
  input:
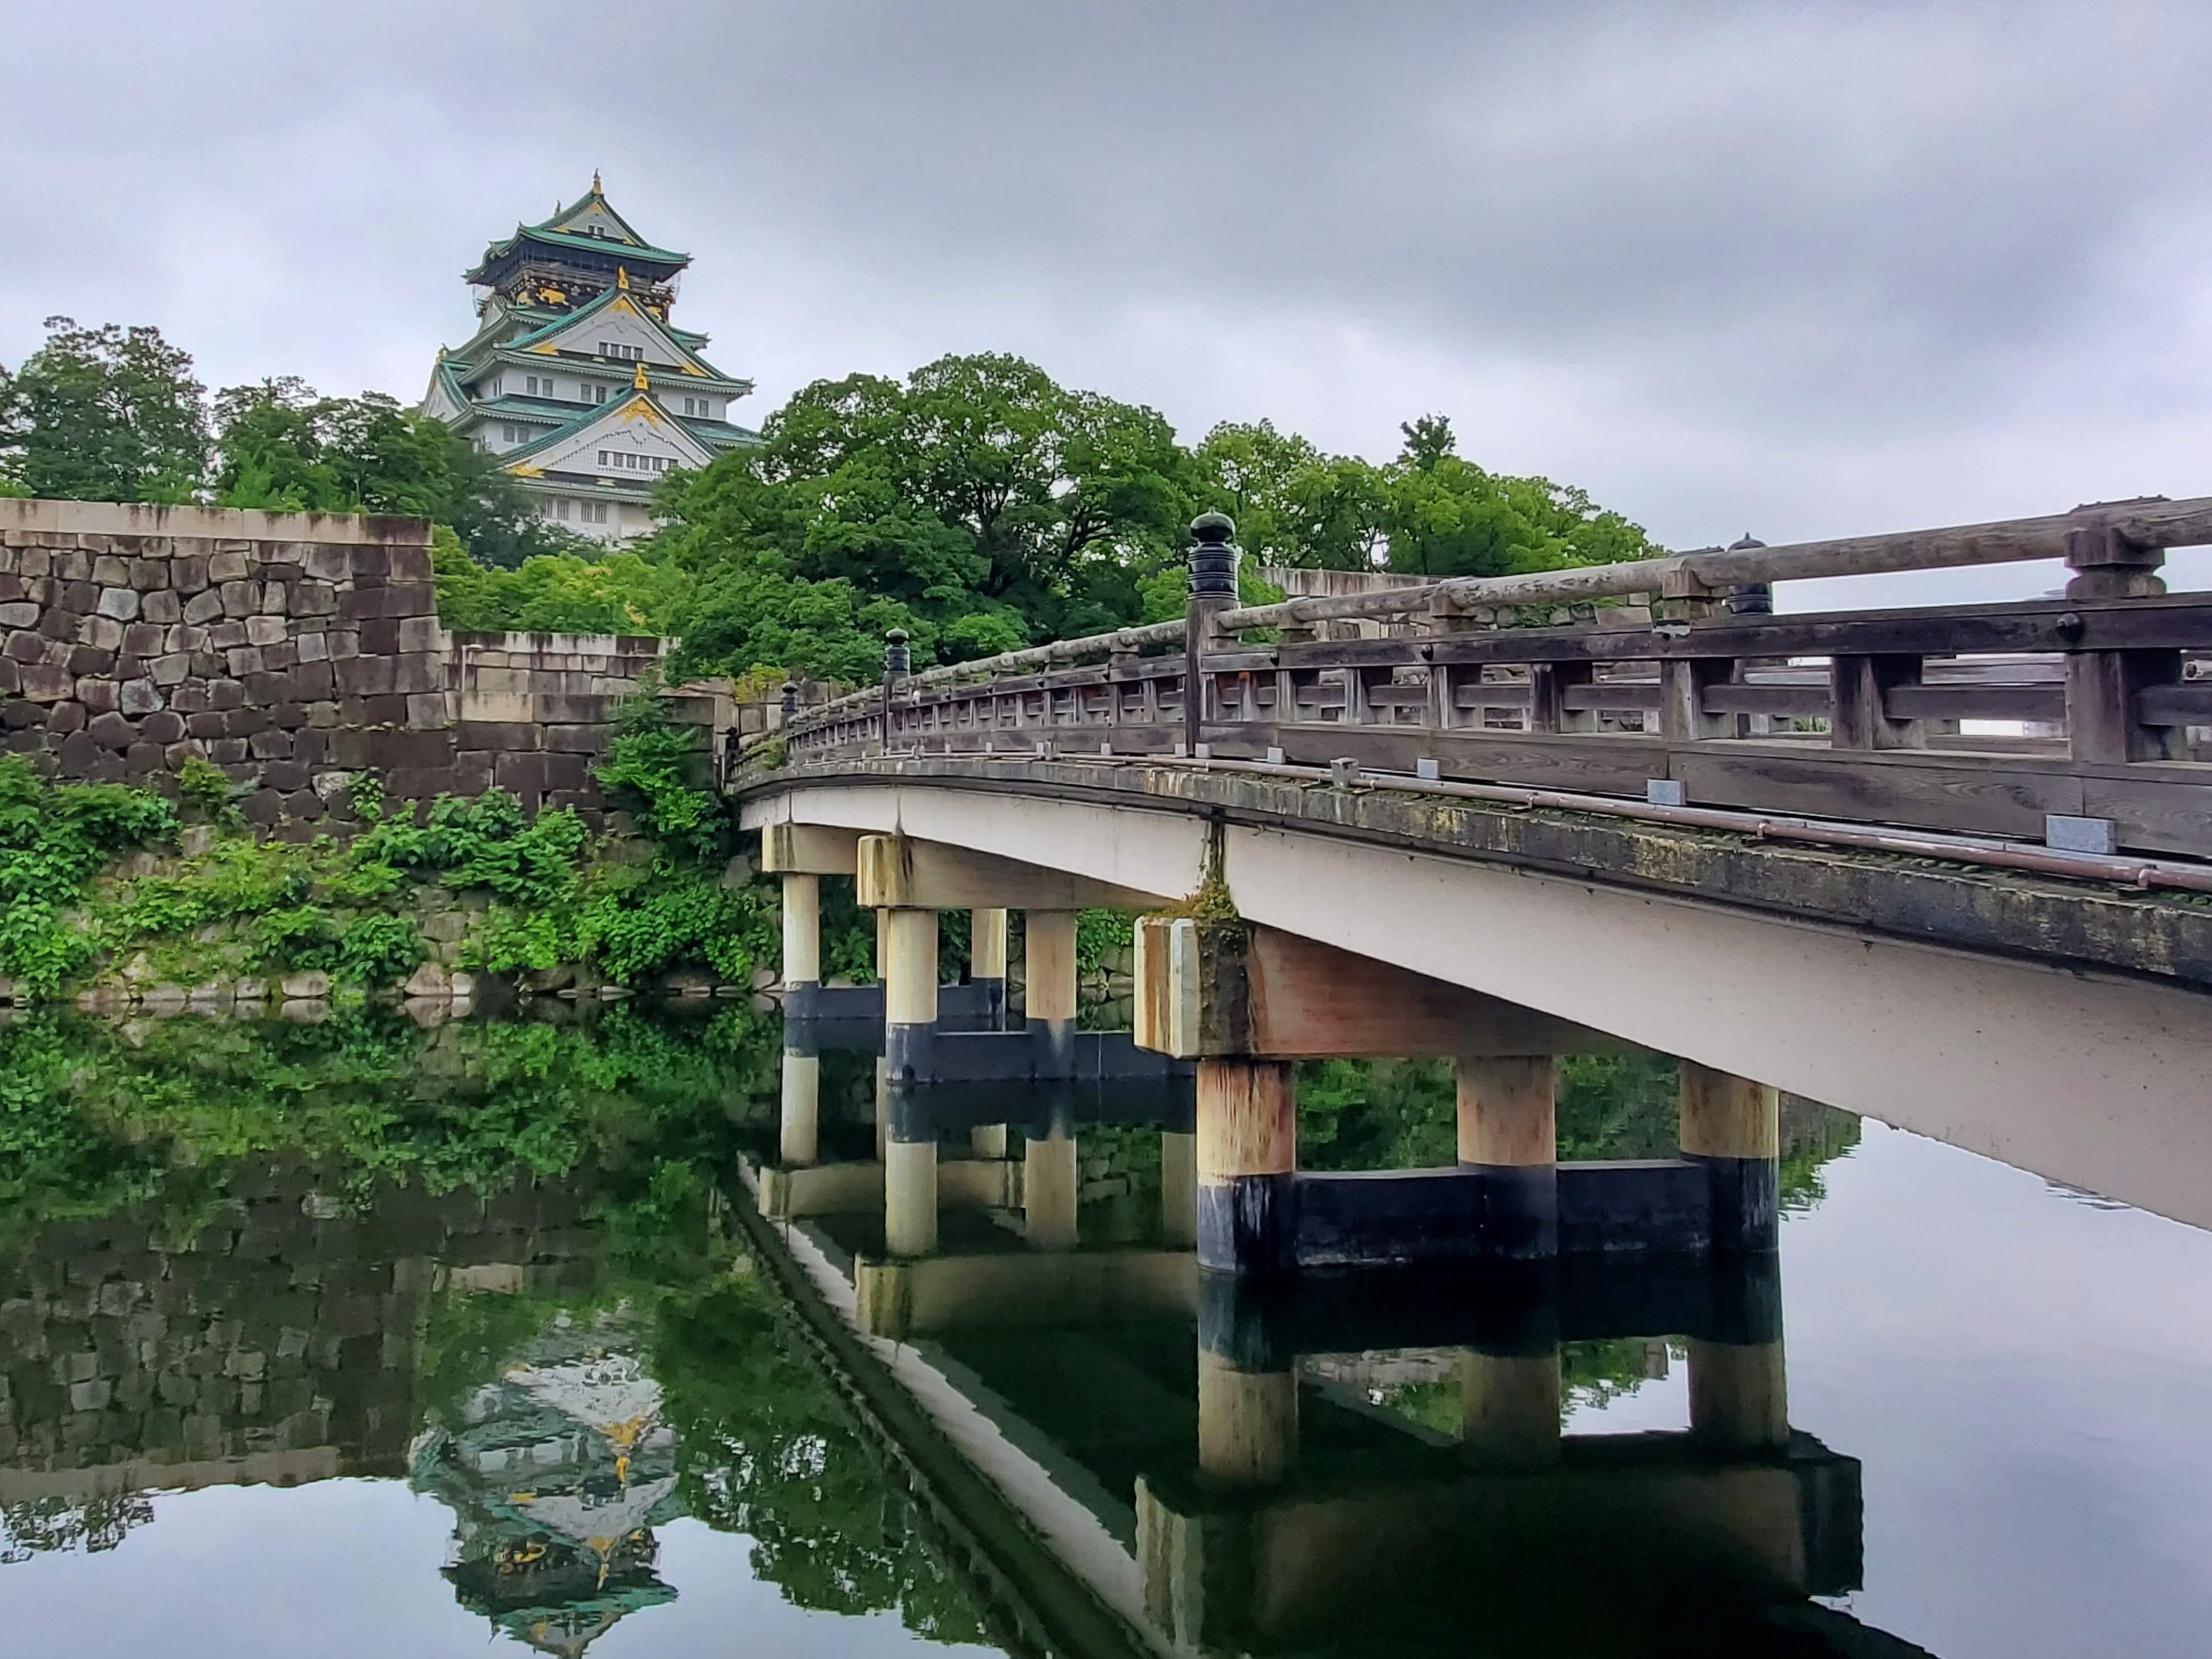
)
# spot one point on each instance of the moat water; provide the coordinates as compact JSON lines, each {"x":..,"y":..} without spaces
{"x":359,"y":1339}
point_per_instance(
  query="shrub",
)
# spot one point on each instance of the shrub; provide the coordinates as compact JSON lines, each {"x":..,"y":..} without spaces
{"x":378,"y":951}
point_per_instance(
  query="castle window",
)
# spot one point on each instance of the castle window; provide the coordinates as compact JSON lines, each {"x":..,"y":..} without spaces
{"x":508,"y":433}
{"x":591,"y":512}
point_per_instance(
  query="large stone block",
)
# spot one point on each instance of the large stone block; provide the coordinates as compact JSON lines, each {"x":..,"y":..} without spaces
{"x":144,"y":639}
{"x":85,"y":659}
{"x":421,"y":634}
{"x":314,"y":645}
{"x":244,"y":659}
{"x":150,"y":576}
{"x":520,"y":774}
{"x":98,"y":695}
{"x":24,"y":645}
{"x":238,"y":599}
{"x":226,"y":636}
{"x":140,"y":697}
{"x":264,"y":629}
{"x":516,"y":737}
{"x":112,"y":731}
{"x":20,"y":613}
{"x":313,"y":598}
{"x":272,"y":598}
{"x":314,"y":680}
{"x":120,"y":602}
{"x":110,"y":572}
{"x":410,"y":564}
{"x":163,"y":726}
{"x":203,"y":607}
{"x":379,"y":637}
{"x":576,"y":740}
{"x":188,"y":572}
{"x":327,"y":564}
{"x":270,"y":744}
{"x":225,"y":694}
{"x":65,"y":718}
{"x":163,"y":607}
{"x":366,"y":675}
{"x":170,"y":669}
{"x":43,"y":683}
{"x":226,"y":566}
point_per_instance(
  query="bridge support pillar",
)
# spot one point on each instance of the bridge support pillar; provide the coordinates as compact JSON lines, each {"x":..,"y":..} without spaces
{"x":799,"y":1121}
{"x":1247,"y":1166}
{"x":1739,"y":1396}
{"x":907,"y":941}
{"x":1178,"y":1189}
{"x":802,"y":931}
{"x":987,"y":962}
{"x":1732,"y":1126}
{"x":1508,"y":1131}
{"x":1248,"y":1423}
{"x":1509,"y":1407}
{"x":1048,"y":985}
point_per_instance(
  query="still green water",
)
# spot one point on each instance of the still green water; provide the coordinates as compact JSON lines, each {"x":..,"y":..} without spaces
{"x":354,"y":1338}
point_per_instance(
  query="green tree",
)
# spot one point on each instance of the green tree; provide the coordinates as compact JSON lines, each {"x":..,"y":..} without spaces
{"x":107,"y":414}
{"x":282,"y":446}
{"x":1444,"y":516}
{"x":978,"y":504}
{"x":1294,"y":505}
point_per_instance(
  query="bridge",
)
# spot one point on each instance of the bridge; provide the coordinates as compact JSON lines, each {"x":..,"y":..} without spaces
{"x":1950,"y":868}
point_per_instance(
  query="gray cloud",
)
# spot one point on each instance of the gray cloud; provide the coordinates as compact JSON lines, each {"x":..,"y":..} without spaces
{"x":1809,"y":268}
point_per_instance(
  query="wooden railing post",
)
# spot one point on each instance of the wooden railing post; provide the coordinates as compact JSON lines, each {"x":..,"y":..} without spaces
{"x":2102,"y":686}
{"x":1212,"y":591}
{"x":1858,"y":715}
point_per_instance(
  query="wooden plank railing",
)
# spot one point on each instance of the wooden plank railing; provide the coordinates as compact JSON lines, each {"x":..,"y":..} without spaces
{"x":1862,"y":716}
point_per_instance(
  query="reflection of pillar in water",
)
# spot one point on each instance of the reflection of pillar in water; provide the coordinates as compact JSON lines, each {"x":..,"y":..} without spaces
{"x":1049,"y":985}
{"x":1247,"y":1389}
{"x":987,"y":962}
{"x":1051,"y":1176}
{"x":909,"y":940}
{"x":1178,"y":1189}
{"x":1509,"y":1406}
{"x":801,"y":1118}
{"x":1733,"y":1127}
{"x":1247,"y":1165}
{"x":1248,"y":1423}
{"x":1739,"y":1383}
{"x":1508,"y":1130}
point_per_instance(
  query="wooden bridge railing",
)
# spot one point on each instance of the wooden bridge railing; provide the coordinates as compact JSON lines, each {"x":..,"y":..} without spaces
{"x":1666,"y":680}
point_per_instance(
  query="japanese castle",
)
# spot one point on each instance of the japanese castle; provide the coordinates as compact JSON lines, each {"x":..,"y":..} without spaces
{"x":576,"y":378}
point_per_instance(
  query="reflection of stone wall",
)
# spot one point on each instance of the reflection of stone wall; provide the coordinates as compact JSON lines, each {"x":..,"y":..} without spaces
{"x":275,"y":1343}
{"x":291,"y":649}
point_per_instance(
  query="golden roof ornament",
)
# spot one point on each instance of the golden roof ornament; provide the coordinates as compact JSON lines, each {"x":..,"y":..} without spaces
{"x":639,"y":380}
{"x":595,"y":181}
{"x":622,"y":277}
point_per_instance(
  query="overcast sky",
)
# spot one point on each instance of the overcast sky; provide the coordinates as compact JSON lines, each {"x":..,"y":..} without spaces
{"x":1799,"y":269}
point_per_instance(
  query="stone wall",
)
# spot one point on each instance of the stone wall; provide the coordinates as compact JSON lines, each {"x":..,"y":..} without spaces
{"x":293,"y":651}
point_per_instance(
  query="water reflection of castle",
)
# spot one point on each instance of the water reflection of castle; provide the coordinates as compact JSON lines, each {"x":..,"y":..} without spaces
{"x":556,"y":1473}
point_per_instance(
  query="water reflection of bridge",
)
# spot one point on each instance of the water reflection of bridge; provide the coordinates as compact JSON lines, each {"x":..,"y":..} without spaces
{"x":1195,"y":1476}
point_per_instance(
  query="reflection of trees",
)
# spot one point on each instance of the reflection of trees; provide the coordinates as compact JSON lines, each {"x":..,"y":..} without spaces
{"x":768,"y":1451}
{"x":69,"y":1523}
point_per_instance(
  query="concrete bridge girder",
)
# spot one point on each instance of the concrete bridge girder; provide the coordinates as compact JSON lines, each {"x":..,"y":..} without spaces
{"x":2092,"y":1080}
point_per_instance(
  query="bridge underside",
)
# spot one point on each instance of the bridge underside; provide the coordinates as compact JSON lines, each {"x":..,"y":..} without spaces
{"x":1996,"y":1015}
